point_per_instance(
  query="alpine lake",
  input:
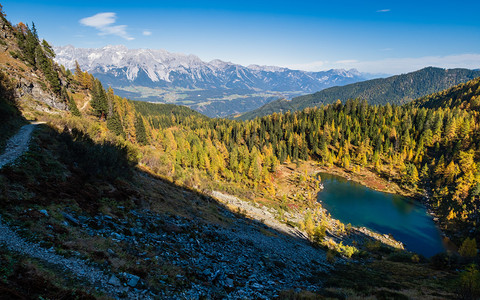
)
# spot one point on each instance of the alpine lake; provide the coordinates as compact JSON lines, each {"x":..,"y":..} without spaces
{"x":405,"y":219}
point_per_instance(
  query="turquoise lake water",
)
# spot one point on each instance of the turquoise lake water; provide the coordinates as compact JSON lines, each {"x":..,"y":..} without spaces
{"x":405,"y":219}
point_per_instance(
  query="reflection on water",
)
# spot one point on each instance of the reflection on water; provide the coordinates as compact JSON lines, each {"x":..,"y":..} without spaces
{"x":405,"y":207}
{"x":400,"y":216}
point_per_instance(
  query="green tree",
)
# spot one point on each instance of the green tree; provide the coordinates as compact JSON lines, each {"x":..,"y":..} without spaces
{"x":114,"y":124}
{"x":470,"y":282}
{"x":72,"y":106}
{"x":468,"y":248}
{"x":99,"y":100}
{"x":140,"y":131}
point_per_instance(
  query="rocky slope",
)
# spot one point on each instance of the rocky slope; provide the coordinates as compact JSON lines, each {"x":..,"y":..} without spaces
{"x":29,"y":83}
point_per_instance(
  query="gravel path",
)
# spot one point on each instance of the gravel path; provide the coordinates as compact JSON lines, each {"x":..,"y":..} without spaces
{"x":74,"y":265}
{"x":17,"y":145}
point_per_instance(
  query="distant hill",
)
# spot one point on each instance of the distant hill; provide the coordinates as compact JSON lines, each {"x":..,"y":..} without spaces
{"x":154,"y":109}
{"x":399,"y":89}
{"x":465,"y":96}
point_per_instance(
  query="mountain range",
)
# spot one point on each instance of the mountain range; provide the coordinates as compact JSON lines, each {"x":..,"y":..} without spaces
{"x":398,"y":89}
{"x":160,"y":68}
{"x":161,"y":76}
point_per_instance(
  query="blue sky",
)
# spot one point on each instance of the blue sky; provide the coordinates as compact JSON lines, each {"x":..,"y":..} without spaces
{"x":373,"y":36}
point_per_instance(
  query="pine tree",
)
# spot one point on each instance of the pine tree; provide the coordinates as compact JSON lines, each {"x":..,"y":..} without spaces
{"x":72,"y":106}
{"x":47,"y":48}
{"x":114,"y":124}
{"x":78,"y":72}
{"x":99,"y":100}
{"x":140,"y":132}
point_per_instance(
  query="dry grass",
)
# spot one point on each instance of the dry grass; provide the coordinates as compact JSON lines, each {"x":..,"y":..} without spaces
{"x":391,"y":280}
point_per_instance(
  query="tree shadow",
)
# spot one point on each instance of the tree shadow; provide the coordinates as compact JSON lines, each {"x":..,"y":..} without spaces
{"x":68,"y":168}
{"x":67,"y":173}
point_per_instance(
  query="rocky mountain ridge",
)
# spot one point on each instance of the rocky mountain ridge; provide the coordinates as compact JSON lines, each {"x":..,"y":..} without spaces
{"x":120,"y":66}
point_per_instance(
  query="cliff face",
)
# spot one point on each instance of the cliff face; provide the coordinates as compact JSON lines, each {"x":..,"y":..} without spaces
{"x":31,"y":86}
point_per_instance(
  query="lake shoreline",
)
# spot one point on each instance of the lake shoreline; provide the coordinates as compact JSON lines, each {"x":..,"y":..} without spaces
{"x":373,"y":181}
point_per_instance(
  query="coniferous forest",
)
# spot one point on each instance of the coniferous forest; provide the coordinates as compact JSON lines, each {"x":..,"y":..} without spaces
{"x":429,"y":146}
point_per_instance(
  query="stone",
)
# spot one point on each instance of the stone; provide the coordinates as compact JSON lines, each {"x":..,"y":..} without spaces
{"x":133,"y":280}
{"x":114,"y":281}
{"x":44,"y":211}
{"x":216,"y":276}
{"x":229,"y":282}
{"x":257,"y":286}
{"x":70,"y":218}
{"x":117,"y":236}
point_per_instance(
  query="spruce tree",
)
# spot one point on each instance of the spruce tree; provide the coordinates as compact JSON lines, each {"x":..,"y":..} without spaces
{"x":99,"y":100}
{"x":72,"y":106}
{"x":115,"y":124}
{"x":140,"y":131}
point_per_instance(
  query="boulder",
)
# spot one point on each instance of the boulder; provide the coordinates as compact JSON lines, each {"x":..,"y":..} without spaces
{"x":133,"y":280}
{"x":114,"y":281}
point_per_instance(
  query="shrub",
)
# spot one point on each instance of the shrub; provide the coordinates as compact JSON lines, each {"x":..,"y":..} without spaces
{"x":373,"y":246}
{"x":415,"y":258}
{"x":468,"y":248}
{"x":14,"y":54}
{"x":346,"y":250}
{"x":318,"y":235}
{"x":469,"y":283}
{"x":443,"y":261}
{"x":400,"y":256}
{"x":331,"y":256}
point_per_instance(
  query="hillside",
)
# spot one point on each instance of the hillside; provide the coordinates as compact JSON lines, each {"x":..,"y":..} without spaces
{"x":114,"y":198}
{"x":398,"y":90}
{"x":464,"y":96}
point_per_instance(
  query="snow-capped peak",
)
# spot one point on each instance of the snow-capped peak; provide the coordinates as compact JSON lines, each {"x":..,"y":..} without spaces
{"x":151,"y":67}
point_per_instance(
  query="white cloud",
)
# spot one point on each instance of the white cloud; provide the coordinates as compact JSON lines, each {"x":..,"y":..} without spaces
{"x":99,"y":20}
{"x":147,"y":32}
{"x":397,"y":65}
{"x":103,"y":22}
{"x":383,"y":10}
